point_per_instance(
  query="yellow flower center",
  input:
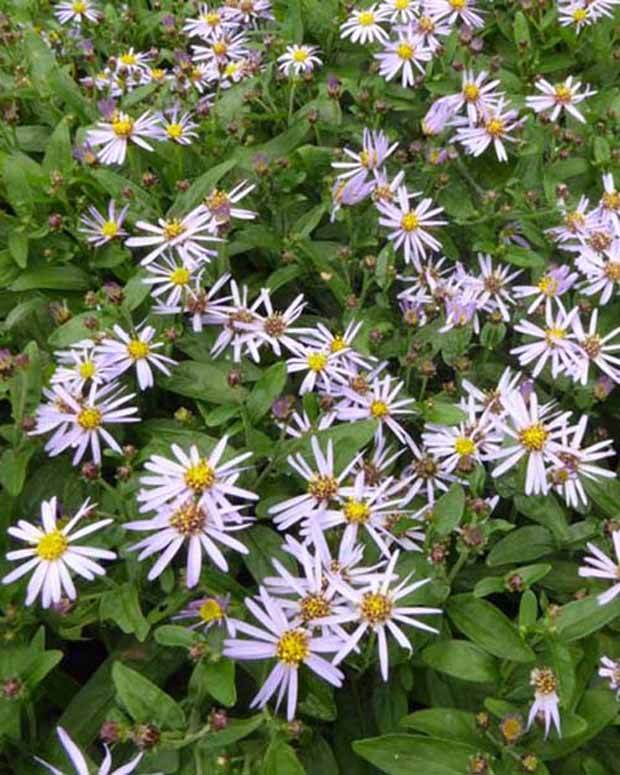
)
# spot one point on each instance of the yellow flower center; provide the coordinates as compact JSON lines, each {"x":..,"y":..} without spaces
{"x":89,"y":418}
{"x":511,"y":728}
{"x":173,"y":229}
{"x":337,"y":345}
{"x":220,"y":48}
{"x":211,"y":611}
{"x":426,"y":24}
{"x":314,"y":607}
{"x":323,"y":487}
{"x":175,"y":131}
{"x":495,"y":127}
{"x":548,"y":286}
{"x":87,"y":370}
{"x":366,"y":18}
{"x":405,"y":51}
{"x":471,"y":92}
{"x":128,"y":59}
{"x":299,"y":55}
{"x":375,"y":608}
{"x":317,"y":362}
{"x":553,"y":334}
{"x":52,"y":546}
{"x":534,"y":437}
{"x":368,"y":159}
{"x":580,"y":14}
{"x":544,"y":681}
{"x":611,"y":200}
{"x":464,"y":446}
{"x":563,"y":94}
{"x":592,"y":346}
{"x":409,"y":222}
{"x":458,"y":5}
{"x":231,"y":68}
{"x":574,"y":220}
{"x":157,"y":73}
{"x":356,"y":512}
{"x":137,"y":349}
{"x":401,"y":5}
{"x":379,"y":409}
{"x":200,"y":477}
{"x":217,"y":200}
{"x":189,"y":519}
{"x":79,"y":7}
{"x":180,"y":276}
{"x":122,"y":125}
{"x":109,"y":229}
{"x":292,"y":647}
{"x":212,"y":18}
{"x":612,"y":271}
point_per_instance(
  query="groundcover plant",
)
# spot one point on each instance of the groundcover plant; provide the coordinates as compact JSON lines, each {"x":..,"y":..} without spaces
{"x":309,"y":367}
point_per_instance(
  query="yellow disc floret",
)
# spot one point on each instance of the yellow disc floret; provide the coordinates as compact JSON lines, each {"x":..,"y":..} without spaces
{"x":200,"y":476}
{"x":293,"y":647}
{"x":52,"y":546}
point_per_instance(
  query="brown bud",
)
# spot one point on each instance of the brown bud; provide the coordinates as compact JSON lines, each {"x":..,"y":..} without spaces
{"x":511,"y":728}
{"x":483,"y":720}
{"x":146,"y":736}
{"x":183,"y":185}
{"x":234,"y":378}
{"x":218,"y":719}
{"x":12,"y":688}
{"x":90,"y":471}
{"x":110,"y":732}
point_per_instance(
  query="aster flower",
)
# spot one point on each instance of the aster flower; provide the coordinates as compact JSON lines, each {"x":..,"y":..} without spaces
{"x":464,"y":11}
{"x":376,"y":149}
{"x":578,"y":224}
{"x":132,"y":61}
{"x":177,"y":127}
{"x":426,"y":474}
{"x":595,"y":349}
{"x":558,"y":97}
{"x":379,"y":403}
{"x":101,"y":230}
{"x":599,"y":566}
{"x":440,"y":114}
{"x":299,"y":60}
{"x":210,"y":23}
{"x":431,"y":27}
{"x":53,"y":554}
{"x":77,"y":11}
{"x":376,"y":608}
{"x":290,"y":645}
{"x":576,"y":14}
{"x":237,"y":314}
{"x":403,"y":11}
{"x":222,"y":204}
{"x":410,"y":227}
{"x":250,"y":12}
{"x":114,"y":135}
{"x":401,"y":55}
{"x":193,"y":476}
{"x":193,"y":524}
{"x":478,"y":98}
{"x":532,"y":434}
{"x":546,"y":700}
{"x":609,"y":206}
{"x":275,"y":327}
{"x":186,"y":236}
{"x":602,"y":272}
{"x":80,"y":366}
{"x":79,"y":762}
{"x":222,"y":48}
{"x":209,"y":612}
{"x":494,"y":400}
{"x":170,"y":278}
{"x":323,"y":339}
{"x":125,"y":352}
{"x":321,"y":367}
{"x":574,"y":463}
{"x":80,"y":422}
{"x":301,"y":425}
{"x":364,"y":26}
{"x":494,"y":286}
{"x":610,"y":669}
{"x":554,"y":343}
{"x":551,"y":286}
{"x":496,"y":128}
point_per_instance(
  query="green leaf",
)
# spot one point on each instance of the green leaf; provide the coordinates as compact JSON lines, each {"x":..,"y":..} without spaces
{"x":521,"y":545}
{"x":173,"y":635}
{"x":201,"y":187}
{"x":448,"y":510}
{"x":461,"y":659}
{"x":488,"y":627}
{"x":26,"y":385}
{"x":204,"y":382}
{"x":266,"y":390}
{"x":42,"y":664}
{"x":235,"y":730}
{"x":547,"y":511}
{"x":523,"y":257}
{"x":579,"y":618}
{"x":122,"y":606}
{"x":521,"y":30}
{"x":13,"y":467}
{"x":18,"y":247}
{"x":281,"y":759}
{"x":435,"y":721}
{"x":441,"y":412}
{"x":216,"y":679}
{"x":605,"y":493}
{"x":145,"y":702}
{"x":407,"y":754}
{"x":264,"y":544}
{"x":55,"y":278}
{"x":58,"y":154}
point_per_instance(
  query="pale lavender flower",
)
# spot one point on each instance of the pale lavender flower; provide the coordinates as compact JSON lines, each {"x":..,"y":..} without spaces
{"x":77,"y":11}
{"x":401,"y":55}
{"x":558,"y":97}
{"x":364,"y":26}
{"x":546,"y":700}
{"x":551,"y":286}
{"x":496,"y":128}
{"x":554,"y":343}
{"x":114,"y":135}
{"x":79,"y":762}
{"x":299,"y":60}
{"x":209,"y":612}
{"x":101,"y":230}
{"x":135,"y":351}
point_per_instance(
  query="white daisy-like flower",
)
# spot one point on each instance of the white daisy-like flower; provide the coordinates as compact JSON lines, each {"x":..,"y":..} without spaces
{"x":546,"y":700}
{"x":464,"y":11}
{"x":198,"y":302}
{"x":376,"y":608}
{"x":495,"y":399}
{"x":301,"y":425}
{"x":376,"y":148}
{"x":235,"y":321}
{"x":79,"y":422}
{"x":379,"y":403}
{"x":77,"y":11}
{"x":210,"y":23}
{"x":249,"y":12}
{"x":364,"y":26}
{"x":178,"y":127}
{"x":602,"y":271}
{"x":401,"y":55}
{"x":79,"y":366}
{"x":576,"y":14}
{"x":551,"y":287}
{"x":431,"y":27}
{"x":554,"y":343}
{"x":321,"y":367}
{"x":403,"y":11}
{"x":426,"y":474}
{"x":132,"y":61}
{"x":101,"y":230}
{"x":223,"y":204}
{"x":496,"y":128}
{"x":291,"y":646}
{"x":275,"y":327}
{"x":599,"y":566}
{"x":478,"y":98}
{"x":172,"y":279}
{"x":53,"y":554}
{"x":532,"y":434}
{"x":190,"y":523}
{"x":494,"y":291}
{"x":209,"y":612}
{"x":339,"y":344}
{"x":79,"y":762}
{"x":574,"y":464}
{"x":222,"y":48}
{"x":578,"y":225}
{"x":193,"y":476}
{"x":609,"y":204}
{"x":186,"y":236}
{"x":595,"y":349}
{"x":610,"y":669}
{"x":114,"y":135}
{"x":410,"y":227}
{"x":299,"y":60}
{"x":138,"y":351}
{"x":559,"y":97}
